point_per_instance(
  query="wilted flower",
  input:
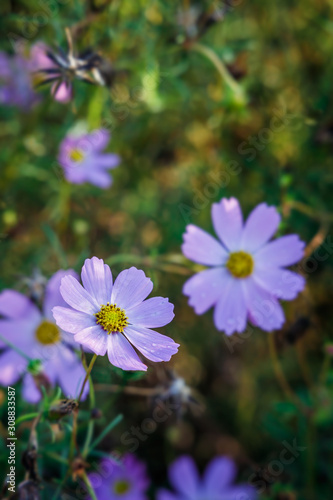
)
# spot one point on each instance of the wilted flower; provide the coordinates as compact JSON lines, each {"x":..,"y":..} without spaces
{"x":35,"y":333}
{"x":16,"y":88}
{"x":216,"y":483}
{"x":247,"y":273}
{"x":111,"y":318}
{"x":42,"y":62}
{"x":83,"y":160}
{"x":127,"y":480}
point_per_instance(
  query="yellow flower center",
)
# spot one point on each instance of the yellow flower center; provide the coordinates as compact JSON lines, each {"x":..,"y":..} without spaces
{"x":76,"y":155}
{"x":240,"y":264}
{"x":121,"y":487}
{"x":112,"y":318}
{"x":47,"y":333}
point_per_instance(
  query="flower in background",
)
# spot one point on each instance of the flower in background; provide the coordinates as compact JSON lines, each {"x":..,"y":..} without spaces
{"x":16,"y":88}
{"x":216,"y":483}
{"x":40,"y":63}
{"x":35,"y":334}
{"x":113,"y":318}
{"x":247,"y":273}
{"x":83,"y":160}
{"x":126,"y":481}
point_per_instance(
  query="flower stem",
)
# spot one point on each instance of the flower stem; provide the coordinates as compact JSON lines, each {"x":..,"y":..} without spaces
{"x":90,"y":367}
{"x":75,"y":414}
{"x":220,"y":66}
{"x":88,"y":484}
{"x":284,"y":384}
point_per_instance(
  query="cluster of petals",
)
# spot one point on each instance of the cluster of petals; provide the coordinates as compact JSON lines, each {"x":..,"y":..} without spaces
{"x":254,"y":297}
{"x":83,"y":160}
{"x":128,"y":293}
{"x":21,"y":320}
{"x":216,"y":483}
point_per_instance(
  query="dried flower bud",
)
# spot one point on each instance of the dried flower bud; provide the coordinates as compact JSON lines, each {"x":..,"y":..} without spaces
{"x":61,"y":408}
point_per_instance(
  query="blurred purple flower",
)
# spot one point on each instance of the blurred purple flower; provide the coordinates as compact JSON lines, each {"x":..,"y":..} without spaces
{"x":216,"y":483}
{"x":83,"y":160}
{"x":35,"y":333}
{"x":110,"y":318}
{"x":125,"y":481}
{"x":39,"y":62}
{"x":247,"y":273}
{"x":16,"y":88}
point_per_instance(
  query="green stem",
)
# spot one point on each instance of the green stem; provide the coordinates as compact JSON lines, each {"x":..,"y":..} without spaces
{"x":88,"y":484}
{"x":220,"y":66}
{"x":90,"y":367}
{"x":284,"y":384}
{"x":91,"y":424}
{"x":107,"y":429}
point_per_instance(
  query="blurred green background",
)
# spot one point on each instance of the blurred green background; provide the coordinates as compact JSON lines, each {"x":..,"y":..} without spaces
{"x":186,"y":139}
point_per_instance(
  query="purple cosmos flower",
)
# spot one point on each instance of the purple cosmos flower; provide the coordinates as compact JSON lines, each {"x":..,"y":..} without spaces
{"x":16,"y":87}
{"x":125,"y":481}
{"x":35,"y":333}
{"x":111,"y":318}
{"x":61,"y":90}
{"x":83,"y":160}
{"x":247,"y":273}
{"x":216,"y":483}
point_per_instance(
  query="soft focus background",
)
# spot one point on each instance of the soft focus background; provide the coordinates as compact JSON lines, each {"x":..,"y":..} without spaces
{"x":186,"y":139}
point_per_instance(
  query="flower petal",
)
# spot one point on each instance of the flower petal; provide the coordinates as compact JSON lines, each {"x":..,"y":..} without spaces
{"x":70,"y":373}
{"x":52,"y":292}
{"x":72,"y":321}
{"x":202,"y":248}
{"x":151,"y":344}
{"x":284,"y":251}
{"x":97,"y":280}
{"x":260,"y":226}
{"x":77,"y":297}
{"x":93,"y":337}
{"x":230,"y":312}
{"x":122,"y":354}
{"x":152,"y":313}
{"x":228,"y":222}
{"x":130,"y":288}
{"x":62,"y":93}
{"x":263,"y":308}
{"x":166,"y":495}
{"x":15,"y":305}
{"x":184,"y":477}
{"x":19,"y":332}
{"x":281,"y":283}
{"x":106,"y":160}
{"x":30,"y":391}
{"x":12,"y":367}
{"x":204,"y":288}
{"x":99,"y":178}
{"x":220,"y":473}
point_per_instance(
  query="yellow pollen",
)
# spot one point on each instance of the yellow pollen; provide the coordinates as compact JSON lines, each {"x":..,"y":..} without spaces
{"x":76,"y":155}
{"x":112,"y":318}
{"x":121,"y":487}
{"x":47,"y":333}
{"x":240,"y":264}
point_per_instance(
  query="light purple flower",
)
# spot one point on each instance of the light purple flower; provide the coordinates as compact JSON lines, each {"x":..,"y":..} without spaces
{"x":35,"y":333}
{"x":61,"y":90}
{"x":125,"y":481}
{"x":247,"y":273}
{"x":111,"y":318}
{"x":83,"y":160}
{"x":16,"y":88}
{"x":216,"y":483}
